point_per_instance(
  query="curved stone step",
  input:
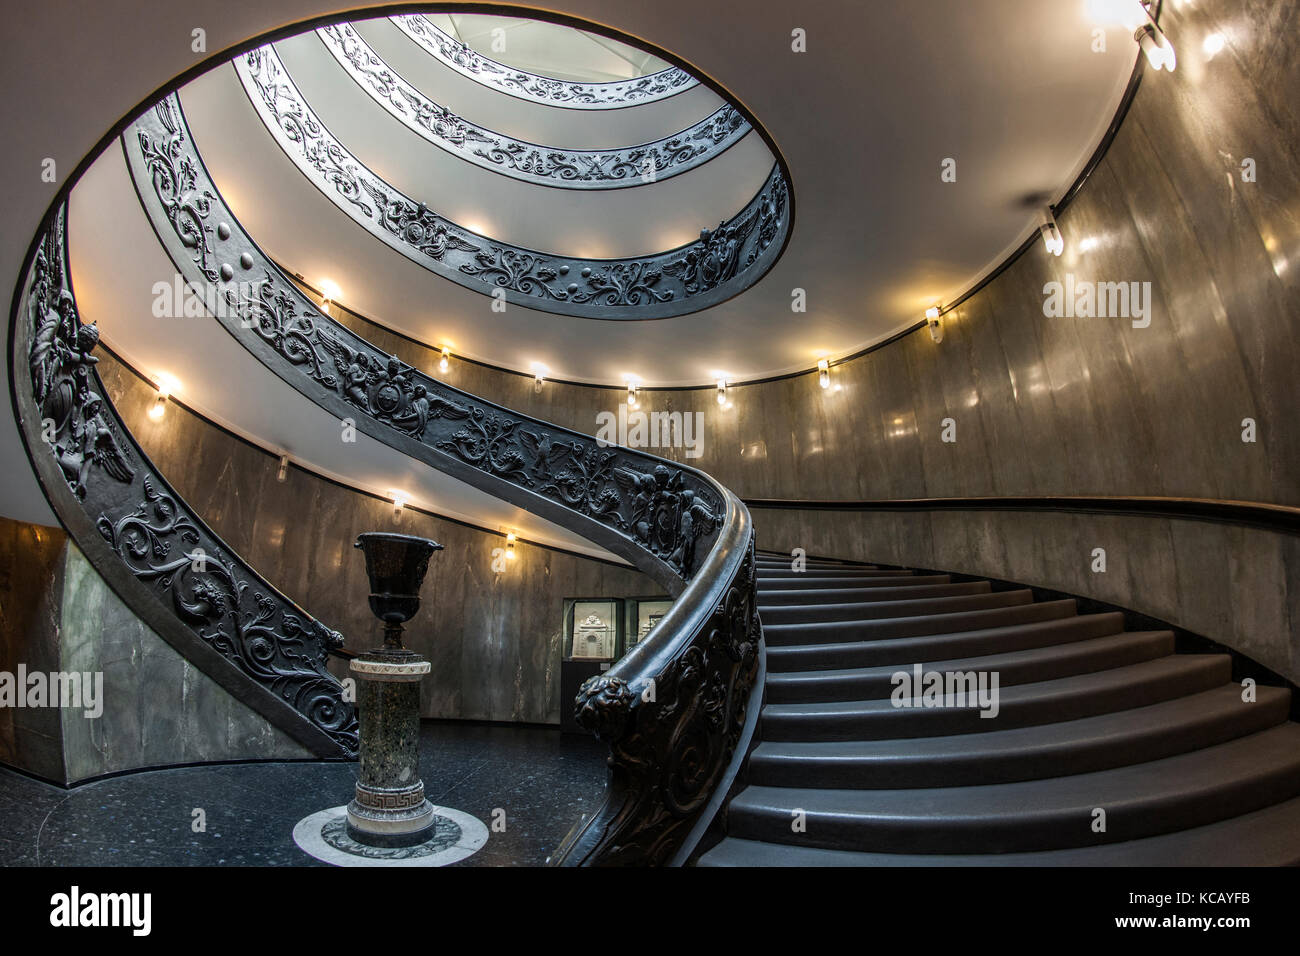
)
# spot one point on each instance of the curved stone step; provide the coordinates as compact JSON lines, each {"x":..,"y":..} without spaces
{"x":854,"y":581}
{"x":787,"y":563}
{"x":769,"y":577}
{"x":827,"y":643}
{"x":879,"y":610}
{"x":1267,"y":837}
{"x":865,"y":591}
{"x":1027,"y":753}
{"x":1143,"y":800}
{"x":1022,"y":705}
{"x":1021,"y":666}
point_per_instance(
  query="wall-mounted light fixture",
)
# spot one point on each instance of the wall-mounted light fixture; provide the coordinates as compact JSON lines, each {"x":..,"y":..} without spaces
{"x":722,"y":392}
{"x":399,"y":502}
{"x":1138,"y":16}
{"x":1051,"y":233}
{"x":632,"y":400}
{"x":824,"y":373}
{"x":283,"y":473}
{"x":510,"y":546}
{"x":444,"y":362}
{"x":932,"y":319}
{"x":539,"y":375}
{"x":1159,"y":51}
{"x":329,"y":293}
{"x":166,"y":385}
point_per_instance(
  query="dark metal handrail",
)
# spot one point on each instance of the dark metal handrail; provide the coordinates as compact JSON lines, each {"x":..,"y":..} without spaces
{"x":168,"y":566}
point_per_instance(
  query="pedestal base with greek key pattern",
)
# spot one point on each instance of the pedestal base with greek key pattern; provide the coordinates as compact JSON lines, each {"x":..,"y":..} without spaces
{"x":389,"y":809}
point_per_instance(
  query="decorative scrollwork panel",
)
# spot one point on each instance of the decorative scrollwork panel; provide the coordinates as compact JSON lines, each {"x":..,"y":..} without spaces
{"x":644,"y":503}
{"x":542,"y":89}
{"x":611,"y":168}
{"x":723,"y":262}
{"x":199,"y":591}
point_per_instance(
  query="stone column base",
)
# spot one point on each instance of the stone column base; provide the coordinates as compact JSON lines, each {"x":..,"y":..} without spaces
{"x":389,"y":809}
{"x":390,"y":826}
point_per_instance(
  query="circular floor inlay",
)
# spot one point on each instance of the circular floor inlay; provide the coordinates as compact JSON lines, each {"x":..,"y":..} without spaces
{"x":456,"y":836}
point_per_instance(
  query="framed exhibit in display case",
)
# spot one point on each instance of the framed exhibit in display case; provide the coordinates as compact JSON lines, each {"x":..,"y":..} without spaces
{"x":642,"y":616}
{"x":592,"y":629}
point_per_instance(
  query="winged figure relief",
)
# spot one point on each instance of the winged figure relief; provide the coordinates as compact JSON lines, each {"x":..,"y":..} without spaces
{"x":545,"y":453}
{"x":91,"y":442}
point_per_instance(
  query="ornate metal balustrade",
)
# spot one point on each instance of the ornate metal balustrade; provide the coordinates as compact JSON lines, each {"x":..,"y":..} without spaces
{"x":542,"y":89}
{"x":674,"y":710}
{"x":612,"y":168}
{"x":159,"y":556}
{"x":720,"y":264}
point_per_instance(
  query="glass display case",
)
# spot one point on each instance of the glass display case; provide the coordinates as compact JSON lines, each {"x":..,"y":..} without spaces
{"x":592,"y":629}
{"x":642,"y":616}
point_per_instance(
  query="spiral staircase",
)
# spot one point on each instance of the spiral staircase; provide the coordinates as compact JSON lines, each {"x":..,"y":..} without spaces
{"x":673,"y":748}
{"x":755,"y":725}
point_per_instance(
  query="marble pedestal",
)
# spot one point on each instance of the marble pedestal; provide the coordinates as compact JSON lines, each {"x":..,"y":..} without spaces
{"x":389,"y":809}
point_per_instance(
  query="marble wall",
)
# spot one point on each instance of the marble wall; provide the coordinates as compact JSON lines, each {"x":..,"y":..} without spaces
{"x":31,"y":581}
{"x":494,"y":639}
{"x":1235,"y":585}
{"x":58,"y":615}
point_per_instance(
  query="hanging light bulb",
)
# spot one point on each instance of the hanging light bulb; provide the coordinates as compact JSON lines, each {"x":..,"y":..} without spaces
{"x":722,"y":392}
{"x":932,"y":315}
{"x":1052,"y":237}
{"x":824,"y":373}
{"x":1159,"y":51}
{"x":444,"y":363}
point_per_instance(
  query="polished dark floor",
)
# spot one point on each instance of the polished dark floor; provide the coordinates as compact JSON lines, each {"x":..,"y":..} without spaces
{"x":544,"y":781}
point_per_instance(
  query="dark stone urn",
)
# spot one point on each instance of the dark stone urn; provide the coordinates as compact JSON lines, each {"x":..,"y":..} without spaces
{"x":389,"y":809}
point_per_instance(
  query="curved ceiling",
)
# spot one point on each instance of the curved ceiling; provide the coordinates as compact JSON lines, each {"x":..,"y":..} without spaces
{"x":885,"y":91}
{"x":605,"y":167}
{"x":878,"y":235}
{"x":547,"y":49}
{"x":638,"y":220}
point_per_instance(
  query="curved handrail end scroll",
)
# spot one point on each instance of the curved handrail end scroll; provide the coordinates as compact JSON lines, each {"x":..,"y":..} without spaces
{"x":674,"y":714}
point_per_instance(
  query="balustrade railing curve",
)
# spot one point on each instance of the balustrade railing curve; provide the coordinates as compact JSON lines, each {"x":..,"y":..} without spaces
{"x":158,"y":555}
{"x":674,"y":710}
